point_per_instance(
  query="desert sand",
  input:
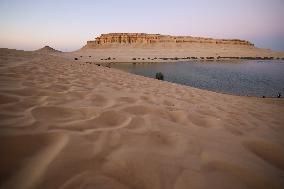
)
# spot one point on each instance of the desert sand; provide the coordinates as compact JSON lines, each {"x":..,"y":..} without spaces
{"x":68,"y":124}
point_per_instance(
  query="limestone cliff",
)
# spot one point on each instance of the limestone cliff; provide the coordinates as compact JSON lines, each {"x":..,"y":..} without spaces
{"x":144,"y":39}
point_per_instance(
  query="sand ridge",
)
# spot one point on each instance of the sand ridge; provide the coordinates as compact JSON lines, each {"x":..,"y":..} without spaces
{"x":67,"y":124}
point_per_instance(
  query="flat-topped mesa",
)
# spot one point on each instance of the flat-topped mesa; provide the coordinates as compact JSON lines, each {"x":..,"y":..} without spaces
{"x":145,"y":39}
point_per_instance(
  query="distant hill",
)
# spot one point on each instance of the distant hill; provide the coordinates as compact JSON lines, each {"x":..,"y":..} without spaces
{"x":158,"y":40}
{"x":47,"y":49}
{"x":142,"y":47}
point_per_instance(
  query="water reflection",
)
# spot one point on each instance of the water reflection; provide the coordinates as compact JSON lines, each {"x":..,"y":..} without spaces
{"x":250,"y":77}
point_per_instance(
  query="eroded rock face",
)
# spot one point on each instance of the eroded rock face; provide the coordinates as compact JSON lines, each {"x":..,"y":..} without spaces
{"x":145,"y":39}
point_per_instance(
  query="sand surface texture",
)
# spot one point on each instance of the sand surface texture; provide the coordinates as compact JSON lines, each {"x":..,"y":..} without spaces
{"x":65,"y":124}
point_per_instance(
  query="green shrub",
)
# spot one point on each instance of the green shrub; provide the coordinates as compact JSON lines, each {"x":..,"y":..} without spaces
{"x":159,"y":76}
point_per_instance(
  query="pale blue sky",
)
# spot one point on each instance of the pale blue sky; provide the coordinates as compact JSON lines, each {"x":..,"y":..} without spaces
{"x":68,"y":24}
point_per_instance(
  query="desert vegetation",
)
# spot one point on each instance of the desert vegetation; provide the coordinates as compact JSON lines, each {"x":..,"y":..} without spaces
{"x":159,"y":76}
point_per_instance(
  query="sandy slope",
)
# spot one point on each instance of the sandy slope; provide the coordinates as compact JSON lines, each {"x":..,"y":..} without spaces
{"x":69,"y":125}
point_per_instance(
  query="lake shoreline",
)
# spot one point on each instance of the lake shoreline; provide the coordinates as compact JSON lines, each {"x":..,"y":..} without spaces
{"x":253,"y":82}
{"x":172,"y":60}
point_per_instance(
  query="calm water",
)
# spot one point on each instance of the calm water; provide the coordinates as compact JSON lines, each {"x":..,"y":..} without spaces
{"x":252,"y":78}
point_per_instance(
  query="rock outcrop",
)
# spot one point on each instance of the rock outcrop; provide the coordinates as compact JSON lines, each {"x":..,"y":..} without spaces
{"x":156,"y":39}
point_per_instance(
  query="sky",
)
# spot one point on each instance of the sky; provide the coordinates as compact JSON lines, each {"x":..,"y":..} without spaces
{"x":67,"y":24}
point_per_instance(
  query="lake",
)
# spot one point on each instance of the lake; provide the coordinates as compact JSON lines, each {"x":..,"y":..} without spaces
{"x":246,"y":77}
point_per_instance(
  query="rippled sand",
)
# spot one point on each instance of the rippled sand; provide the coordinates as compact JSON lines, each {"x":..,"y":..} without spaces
{"x":65,"y":124}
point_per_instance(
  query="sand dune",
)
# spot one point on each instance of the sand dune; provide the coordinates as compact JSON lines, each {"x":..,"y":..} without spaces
{"x":67,"y":124}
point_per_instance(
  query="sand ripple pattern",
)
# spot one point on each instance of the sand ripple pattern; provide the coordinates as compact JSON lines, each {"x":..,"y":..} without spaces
{"x":66,"y":124}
